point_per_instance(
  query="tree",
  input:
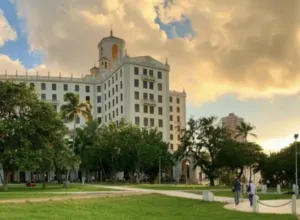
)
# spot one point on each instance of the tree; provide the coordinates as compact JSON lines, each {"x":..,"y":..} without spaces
{"x":238,"y":155}
{"x":203,"y":139}
{"x":244,"y":130}
{"x":73,"y":109}
{"x":26,"y":124}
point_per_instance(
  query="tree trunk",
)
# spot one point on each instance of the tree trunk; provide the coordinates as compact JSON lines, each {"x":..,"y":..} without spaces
{"x":67,"y":177}
{"x":241,"y":172}
{"x":5,"y":183}
{"x":74,"y":134}
{"x":44,"y":182}
{"x":211,"y":181}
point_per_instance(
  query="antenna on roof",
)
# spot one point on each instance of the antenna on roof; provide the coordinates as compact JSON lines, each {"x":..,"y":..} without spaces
{"x":111,"y":31}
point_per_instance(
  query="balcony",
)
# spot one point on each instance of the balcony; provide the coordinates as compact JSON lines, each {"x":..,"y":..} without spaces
{"x":148,"y":78}
{"x":148,"y":102}
{"x":50,"y":101}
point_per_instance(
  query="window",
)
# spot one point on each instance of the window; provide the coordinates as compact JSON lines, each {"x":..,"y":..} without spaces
{"x":109,"y":105}
{"x":54,"y":97}
{"x":145,"y":109}
{"x":151,"y":109}
{"x":145,"y":121}
{"x":116,"y":76}
{"x":171,"y":117}
{"x":159,"y":87}
{"x":171,"y":146}
{"x":121,"y":84}
{"x":160,"y":99}
{"x":32,"y":85}
{"x":171,"y":99}
{"x":178,"y":118}
{"x":53,"y":87}
{"x":171,"y":137}
{"x":136,"y":70}
{"x":171,"y":108}
{"x":151,"y":122}
{"x":117,"y":111}
{"x":145,"y":96}
{"x":120,"y":72}
{"x":160,"y":123}
{"x":136,"y":83}
{"x":43,"y":96}
{"x":98,"y":88}
{"x":87,"y":88}
{"x":108,"y":94}
{"x":77,"y":88}
{"x":178,"y":109}
{"x":137,"y":120}
{"x":145,"y":84}
{"x":43,"y":86}
{"x":98,"y":99}
{"x":65,"y":98}
{"x":136,"y":95}
{"x":55,"y":107}
{"x":150,"y":72}
{"x":160,"y":134}
{"x":113,"y":91}
{"x":87,"y":98}
{"x":99,"y":120}
{"x":105,"y":65}
{"x":145,"y":72}
{"x":121,"y":109}
{"x":177,"y":100}
{"x":108,"y":83}
{"x":160,"y":111}
{"x":171,"y":127}
{"x":117,"y":100}
{"x":151,"y":86}
{"x":113,"y":80}
{"x":99,"y":109}
{"x":137,"y":108}
{"x":121,"y":97}
{"x":159,"y":75}
{"x":78,"y":120}
{"x":104,"y":86}
{"x":65,"y":87}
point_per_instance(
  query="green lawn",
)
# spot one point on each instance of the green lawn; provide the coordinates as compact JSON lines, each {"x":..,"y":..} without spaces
{"x":129,"y":208}
{"x":21,"y":191}
{"x":261,"y":196}
{"x":175,"y":187}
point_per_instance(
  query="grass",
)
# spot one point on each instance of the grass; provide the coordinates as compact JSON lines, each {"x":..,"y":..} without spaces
{"x":18,"y":191}
{"x":261,"y":196}
{"x":175,"y":187}
{"x":144,"y":207}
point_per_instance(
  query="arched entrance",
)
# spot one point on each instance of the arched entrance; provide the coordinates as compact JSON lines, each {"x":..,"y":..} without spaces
{"x":186,"y":169}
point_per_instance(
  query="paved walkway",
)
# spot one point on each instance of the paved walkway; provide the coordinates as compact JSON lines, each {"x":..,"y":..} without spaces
{"x":243,"y":206}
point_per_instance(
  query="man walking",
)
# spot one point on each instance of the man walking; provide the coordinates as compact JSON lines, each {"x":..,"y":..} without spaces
{"x":251,"y":192}
{"x":236,"y":189}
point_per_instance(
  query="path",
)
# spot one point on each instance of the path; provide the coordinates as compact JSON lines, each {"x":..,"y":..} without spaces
{"x":174,"y":193}
{"x":243,"y":206}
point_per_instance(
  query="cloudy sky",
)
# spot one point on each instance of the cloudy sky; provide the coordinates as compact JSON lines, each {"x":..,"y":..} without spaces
{"x":238,"y":56}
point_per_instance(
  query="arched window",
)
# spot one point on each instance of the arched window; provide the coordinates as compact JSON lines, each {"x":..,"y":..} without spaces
{"x":114,"y":52}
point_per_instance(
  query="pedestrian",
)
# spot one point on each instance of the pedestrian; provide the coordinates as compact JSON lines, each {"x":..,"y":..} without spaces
{"x":251,"y":192}
{"x":236,"y":189}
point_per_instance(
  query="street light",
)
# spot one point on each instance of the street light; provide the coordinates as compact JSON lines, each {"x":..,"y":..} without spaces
{"x":296,"y":162}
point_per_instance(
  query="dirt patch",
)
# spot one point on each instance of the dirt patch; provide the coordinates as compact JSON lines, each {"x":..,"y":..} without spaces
{"x":71,"y":197}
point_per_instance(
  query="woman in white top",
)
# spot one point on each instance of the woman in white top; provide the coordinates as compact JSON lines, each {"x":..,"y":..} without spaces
{"x":251,"y":192}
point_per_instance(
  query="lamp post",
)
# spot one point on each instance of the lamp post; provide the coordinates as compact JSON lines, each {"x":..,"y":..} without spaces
{"x":296,"y":162}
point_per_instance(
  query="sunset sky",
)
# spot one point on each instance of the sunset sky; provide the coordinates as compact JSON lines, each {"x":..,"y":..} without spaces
{"x":238,"y":56}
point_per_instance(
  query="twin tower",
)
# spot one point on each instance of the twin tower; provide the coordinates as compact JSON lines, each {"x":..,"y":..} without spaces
{"x":111,"y":52}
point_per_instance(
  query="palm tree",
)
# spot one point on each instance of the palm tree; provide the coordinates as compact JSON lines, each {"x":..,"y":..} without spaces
{"x":244,"y":130}
{"x":73,"y":109}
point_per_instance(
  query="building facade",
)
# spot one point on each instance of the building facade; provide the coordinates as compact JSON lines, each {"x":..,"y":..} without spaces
{"x":119,"y":87}
{"x":231,"y":122}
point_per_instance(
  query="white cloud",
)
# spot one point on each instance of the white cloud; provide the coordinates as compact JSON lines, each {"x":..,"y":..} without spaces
{"x":7,"y":33}
{"x":246,"y":47}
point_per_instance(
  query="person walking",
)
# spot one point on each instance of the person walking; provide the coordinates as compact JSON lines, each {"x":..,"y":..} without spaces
{"x":236,"y":189}
{"x":251,"y":192}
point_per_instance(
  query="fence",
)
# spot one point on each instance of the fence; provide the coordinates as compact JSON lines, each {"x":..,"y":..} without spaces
{"x":257,"y":203}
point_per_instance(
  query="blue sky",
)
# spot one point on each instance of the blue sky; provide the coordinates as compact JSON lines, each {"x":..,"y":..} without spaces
{"x":18,"y":49}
